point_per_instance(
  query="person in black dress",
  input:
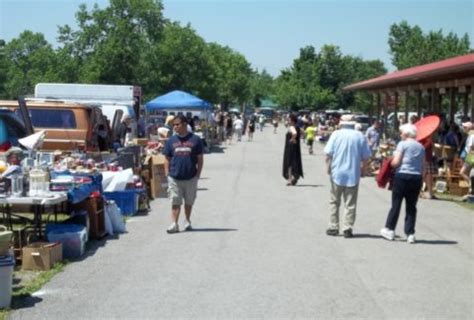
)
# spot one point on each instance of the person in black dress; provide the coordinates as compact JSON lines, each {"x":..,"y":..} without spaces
{"x":292,"y":165}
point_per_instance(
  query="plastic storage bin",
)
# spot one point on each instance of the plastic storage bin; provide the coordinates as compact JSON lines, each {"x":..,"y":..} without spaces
{"x":126,"y":200}
{"x":6,"y":280}
{"x":72,"y":236}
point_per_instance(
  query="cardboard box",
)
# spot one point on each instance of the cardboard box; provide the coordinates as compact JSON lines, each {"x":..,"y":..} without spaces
{"x":41,"y":255}
{"x":158,"y":180}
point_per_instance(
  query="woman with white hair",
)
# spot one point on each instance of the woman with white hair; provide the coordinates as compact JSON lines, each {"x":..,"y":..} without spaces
{"x":408,"y":160}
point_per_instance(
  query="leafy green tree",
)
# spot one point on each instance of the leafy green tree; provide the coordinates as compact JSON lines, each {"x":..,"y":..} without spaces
{"x":3,"y":70}
{"x":232,"y":74}
{"x":410,"y":47}
{"x":29,"y":59}
{"x":261,"y":86}
{"x":111,"y":43}
{"x":180,"y":61}
{"x":316,"y":80}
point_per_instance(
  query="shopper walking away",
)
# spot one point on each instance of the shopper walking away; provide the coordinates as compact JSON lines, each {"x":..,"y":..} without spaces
{"x":347,"y":153}
{"x":292,"y":165}
{"x":408,"y":160}
{"x":238,"y":127}
{"x":373,"y":136}
{"x":275,"y":124}
{"x":310,"y":133}
{"x":183,"y":165}
{"x":467,"y":154}
{"x":261,"y":122}
{"x":251,"y":128}
{"x":228,"y":128}
{"x":430,"y":168}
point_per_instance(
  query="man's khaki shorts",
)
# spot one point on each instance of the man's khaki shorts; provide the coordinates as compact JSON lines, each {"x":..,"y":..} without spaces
{"x":182,"y":189}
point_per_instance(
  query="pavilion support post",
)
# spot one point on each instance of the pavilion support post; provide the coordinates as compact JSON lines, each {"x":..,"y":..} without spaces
{"x":379,"y":106}
{"x":384,"y":107}
{"x":439,"y":102}
{"x":407,"y":98}
{"x":452,"y":103}
{"x":418,"y":103}
{"x":395,"y":112}
{"x":465,"y":109}
{"x":372,"y":106}
{"x":435,"y":100}
{"x":472,"y":101}
{"x":430,"y":100}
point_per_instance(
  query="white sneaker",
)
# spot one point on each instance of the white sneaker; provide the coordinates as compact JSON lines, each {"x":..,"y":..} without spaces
{"x":387,"y":234}
{"x":411,"y":239}
{"x":187,"y":226}
{"x":173,"y":228}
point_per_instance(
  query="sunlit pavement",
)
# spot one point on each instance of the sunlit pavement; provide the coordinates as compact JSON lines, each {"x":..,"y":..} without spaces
{"x":259,"y":250}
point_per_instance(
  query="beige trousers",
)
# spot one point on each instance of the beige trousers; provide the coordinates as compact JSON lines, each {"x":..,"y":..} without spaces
{"x":349,"y":196}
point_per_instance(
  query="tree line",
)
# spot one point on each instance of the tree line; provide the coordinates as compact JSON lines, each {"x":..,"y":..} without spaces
{"x":131,"y":42}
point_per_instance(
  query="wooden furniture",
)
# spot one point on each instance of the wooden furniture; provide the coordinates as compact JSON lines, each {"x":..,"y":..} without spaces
{"x":457,"y":186}
{"x":95,"y":209}
{"x":96,"y":216}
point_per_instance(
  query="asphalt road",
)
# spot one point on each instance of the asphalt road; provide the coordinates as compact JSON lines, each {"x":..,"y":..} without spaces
{"x":259,"y":250}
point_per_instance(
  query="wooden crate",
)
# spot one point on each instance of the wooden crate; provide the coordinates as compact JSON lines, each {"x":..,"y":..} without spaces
{"x":96,"y":214}
{"x":97,"y":218}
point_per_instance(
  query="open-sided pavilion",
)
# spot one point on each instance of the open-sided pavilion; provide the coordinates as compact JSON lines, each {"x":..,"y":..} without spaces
{"x":427,"y":84}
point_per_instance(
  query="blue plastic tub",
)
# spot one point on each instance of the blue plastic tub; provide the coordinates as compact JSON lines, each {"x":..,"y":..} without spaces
{"x":72,"y":236}
{"x":126,"y":200}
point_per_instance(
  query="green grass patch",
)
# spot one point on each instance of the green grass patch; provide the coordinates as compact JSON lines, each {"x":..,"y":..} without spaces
{"x":30,"y":282}
{"x":456,"y":199}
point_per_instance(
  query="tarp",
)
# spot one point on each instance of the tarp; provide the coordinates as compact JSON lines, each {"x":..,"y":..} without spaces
{"x":267,"y":103}
{"x":177,"y":100}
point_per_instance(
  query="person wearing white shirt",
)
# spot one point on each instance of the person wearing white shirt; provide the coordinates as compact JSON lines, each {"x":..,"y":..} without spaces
{"x":238,"y":127}
{"x":468,"y":149}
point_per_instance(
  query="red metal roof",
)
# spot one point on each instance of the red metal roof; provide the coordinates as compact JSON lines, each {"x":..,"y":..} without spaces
{"x":452,"y":68}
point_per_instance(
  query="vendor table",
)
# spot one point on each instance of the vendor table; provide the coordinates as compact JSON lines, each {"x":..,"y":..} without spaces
{"x":82,"y":192}
{"x":39,"y":205}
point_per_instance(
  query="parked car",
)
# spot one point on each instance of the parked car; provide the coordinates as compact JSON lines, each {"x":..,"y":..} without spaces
{"x":364,"y":120}
{"x":11,"y":129}
{"x":68,"y":126}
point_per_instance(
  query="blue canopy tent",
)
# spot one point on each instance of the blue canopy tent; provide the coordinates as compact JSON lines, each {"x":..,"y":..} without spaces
{"x":177,"y":100}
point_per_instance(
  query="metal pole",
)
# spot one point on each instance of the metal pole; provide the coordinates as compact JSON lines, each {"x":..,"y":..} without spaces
{"x":418,"y":103}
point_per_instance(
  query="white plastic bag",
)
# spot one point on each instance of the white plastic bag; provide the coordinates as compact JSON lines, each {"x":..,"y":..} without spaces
{"x":113,"y":211}
{"x":109,"y":228}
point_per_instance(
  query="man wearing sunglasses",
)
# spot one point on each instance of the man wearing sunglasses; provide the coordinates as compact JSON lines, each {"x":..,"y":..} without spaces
{"x":183,"y":165}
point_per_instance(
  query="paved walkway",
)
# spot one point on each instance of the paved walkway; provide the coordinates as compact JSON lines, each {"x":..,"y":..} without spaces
{"x":260,"y":251}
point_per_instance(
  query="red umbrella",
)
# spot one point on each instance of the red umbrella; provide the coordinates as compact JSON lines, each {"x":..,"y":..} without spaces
{"x":426,"y":126}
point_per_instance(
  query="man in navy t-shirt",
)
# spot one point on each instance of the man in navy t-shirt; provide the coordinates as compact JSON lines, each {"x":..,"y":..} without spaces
{"x":183,"y":165}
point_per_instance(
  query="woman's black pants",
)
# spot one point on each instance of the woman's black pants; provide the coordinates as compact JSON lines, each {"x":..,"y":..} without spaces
{"x":405,"y":186}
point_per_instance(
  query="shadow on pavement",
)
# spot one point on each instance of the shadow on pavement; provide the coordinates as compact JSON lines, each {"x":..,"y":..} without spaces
{"x":436,"y":242}
{"x":24,"y":301}
{"x":202,"y":189}
{"x":211,"y":229}
{"x":309,"y":185}
{"x":217,"y":149}
{"x":367,"y":235}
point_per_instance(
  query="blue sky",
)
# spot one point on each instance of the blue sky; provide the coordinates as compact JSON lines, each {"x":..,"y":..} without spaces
{"x":269,"y":32}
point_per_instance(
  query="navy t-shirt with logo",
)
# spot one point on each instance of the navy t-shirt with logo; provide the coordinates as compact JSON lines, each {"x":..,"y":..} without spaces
{"x":183,"y":152}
